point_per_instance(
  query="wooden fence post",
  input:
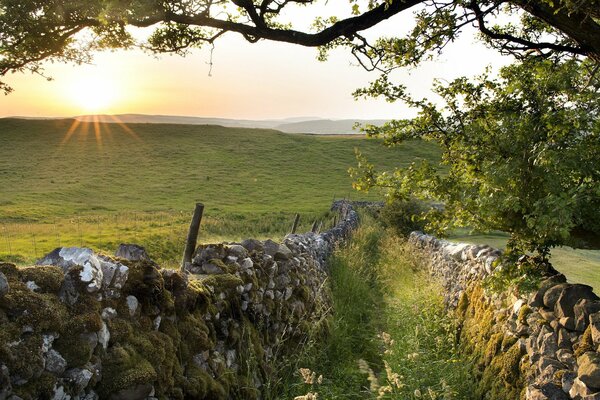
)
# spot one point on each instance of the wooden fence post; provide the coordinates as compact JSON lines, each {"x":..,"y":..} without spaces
{"x":296,"y":221}
{"x":192,"y":237}
{"x":313,"y":229}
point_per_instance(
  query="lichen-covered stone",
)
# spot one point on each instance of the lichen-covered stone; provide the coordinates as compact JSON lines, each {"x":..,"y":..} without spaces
{"x":588,"y":370}
{"x":4,"y":286}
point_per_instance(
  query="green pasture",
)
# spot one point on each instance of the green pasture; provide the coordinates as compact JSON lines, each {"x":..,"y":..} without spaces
{"x":97,"y":185}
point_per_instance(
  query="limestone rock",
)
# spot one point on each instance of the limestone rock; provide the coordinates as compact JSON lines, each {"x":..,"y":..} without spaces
{"x":55,"y":363}
{"x":211,"y":269}
{"x":132,"y":305}
{"x":537,"y":299}
{"x":589,"y":369}
{"x":595,"y":327}
{"x":548,"y":391}
{"x":552,"y":294}
{"x":104,"y":335}
{"x":138,"y":392}
{"x":579,"y":389}
{"x":569,"y":296}
{"x":4,"y":287}
{"x":79,"y":377}
{"x":253,"y":245}
{"x":132,"y":252}
{"x":238,"y":251}
{"x":583,"y":309}
{"x":276,"y":250}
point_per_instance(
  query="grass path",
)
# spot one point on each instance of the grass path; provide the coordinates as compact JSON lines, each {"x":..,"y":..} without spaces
{"x":390,"y":336}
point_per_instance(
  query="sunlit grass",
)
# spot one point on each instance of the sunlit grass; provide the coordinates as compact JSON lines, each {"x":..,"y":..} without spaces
{"x":390,"y":337}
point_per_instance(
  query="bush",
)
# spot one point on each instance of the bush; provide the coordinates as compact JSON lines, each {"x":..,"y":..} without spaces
{"x":404,"y":216}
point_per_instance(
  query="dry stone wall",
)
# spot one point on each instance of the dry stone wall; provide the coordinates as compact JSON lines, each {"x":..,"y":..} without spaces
{"x":81,"y":325}
{"x":539,"y":345}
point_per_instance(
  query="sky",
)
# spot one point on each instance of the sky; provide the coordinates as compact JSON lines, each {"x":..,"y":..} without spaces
{"x":266,"y":80}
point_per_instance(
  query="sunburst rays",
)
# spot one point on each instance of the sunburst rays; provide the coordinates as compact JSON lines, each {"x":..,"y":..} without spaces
{"x":101,"y":127}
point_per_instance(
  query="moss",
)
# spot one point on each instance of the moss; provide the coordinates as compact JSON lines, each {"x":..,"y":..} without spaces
{"x":41,"y":387}
{"x":197,"y":336}
{"x":24,"y":357}
{"x":146,"y":283}
{"x":586,"y":343}
{"x":510,"y":364}
{"x":41,"y":311}
{"x":223,"y":281}
{"x":74,"y":349}
{"x":48,"y":278}
{"x":302,"y":292}
{"x":9,"y":270}
{"x":493,"y":347}
{"x":463,"y":305}
{"x":524,"y":313}
{"x":120,"y":330}
{"x":123,"y":368}
{"x":200,"y":385}
{"x":508,"y":341}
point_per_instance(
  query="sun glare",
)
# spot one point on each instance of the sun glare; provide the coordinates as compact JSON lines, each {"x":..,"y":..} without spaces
{"x":93,"y":94}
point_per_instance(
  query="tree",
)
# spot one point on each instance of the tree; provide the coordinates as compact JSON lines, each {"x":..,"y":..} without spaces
{"x":33,"y":31}
{"x":520,"y":153}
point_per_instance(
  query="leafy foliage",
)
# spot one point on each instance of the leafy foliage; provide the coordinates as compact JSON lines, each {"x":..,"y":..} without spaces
{"x":34,"y":31}
{"x":520,"y":150}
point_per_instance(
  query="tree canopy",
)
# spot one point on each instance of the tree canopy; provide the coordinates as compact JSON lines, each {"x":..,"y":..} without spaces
{"x":33,"y":31}
{"x":519,"y":153}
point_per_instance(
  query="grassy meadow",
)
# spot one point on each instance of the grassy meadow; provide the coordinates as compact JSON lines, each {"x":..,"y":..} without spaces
{"x":64,"y":183}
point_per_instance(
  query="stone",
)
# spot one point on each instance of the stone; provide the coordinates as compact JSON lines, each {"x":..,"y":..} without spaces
{"x":552,"y":294}
{"x":549,"y":345}
{"x":579,"y":389}
{"x":253,"y":245}
{"x":138,"y":392}
{"x":31,"y":285}
{"x":547,"y":391}
{"x":247,"y":263}
{"x":238,"y":251}
{"x":588,"y":370}
{"x":211,"y":269}
{"x":276,"y":250}
{"x":55,"y":363}
{"x":5,"y":384}
{"x":547,"y":315}
{"x":583,"y":309}
{"x":156,"y":322}
{"x":108,"y":313}
{"x":564,"y":340}
{"x":571,"y":295}
{"x":104,"y":335}
{"x":4,"y":287}
{"x":132,"y":305}
{"x":567,"y":381}
{"x":567,"y":322}
{"x":537,"y":300}
{"x":120,"y":277}
{"x":91,"y":338}
{"x":79,"y":377}
{"x":132,"y":252}
{"x":595,"y":327}
{"x":566,"y":357}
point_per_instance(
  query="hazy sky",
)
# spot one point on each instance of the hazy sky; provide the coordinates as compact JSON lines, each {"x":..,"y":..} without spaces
{"x":253,"y":81}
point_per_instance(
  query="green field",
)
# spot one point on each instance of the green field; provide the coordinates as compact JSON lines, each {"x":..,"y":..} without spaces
{"x":96,"y":185}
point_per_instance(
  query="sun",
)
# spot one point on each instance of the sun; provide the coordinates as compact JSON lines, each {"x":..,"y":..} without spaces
{"x":93,"y":94}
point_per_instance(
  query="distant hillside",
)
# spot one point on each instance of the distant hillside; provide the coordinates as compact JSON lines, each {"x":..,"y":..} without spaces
{"x":326,"y":126}
{"x":289,"y":125}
